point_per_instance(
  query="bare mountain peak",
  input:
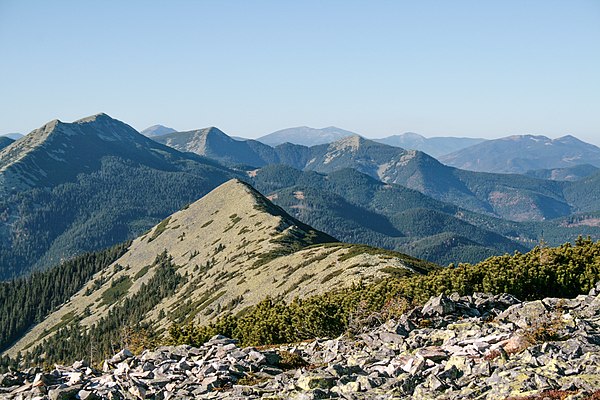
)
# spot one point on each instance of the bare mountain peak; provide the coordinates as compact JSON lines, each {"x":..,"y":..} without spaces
{"x":306,"y":136}
{"x":570,"y":139}
{"x":69,"y":148}
{"x":94,"y":118}
{"x":213,"y":130}
{"x":157,"y":130}
{"x":412,"y":135}
{"x":352,"y":142}
{"x":34,"y":139}
{"x":237,"y":189}
{"x":213,"y":143}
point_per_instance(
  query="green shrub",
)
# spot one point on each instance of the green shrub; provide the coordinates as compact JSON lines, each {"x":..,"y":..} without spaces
{"x":564,"y":271}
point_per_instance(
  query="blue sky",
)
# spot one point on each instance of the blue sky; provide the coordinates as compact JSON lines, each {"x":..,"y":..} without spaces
{"x":461,"y":68}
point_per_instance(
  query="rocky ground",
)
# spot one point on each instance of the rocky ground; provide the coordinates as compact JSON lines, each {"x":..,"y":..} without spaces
{"x":471,"y":347}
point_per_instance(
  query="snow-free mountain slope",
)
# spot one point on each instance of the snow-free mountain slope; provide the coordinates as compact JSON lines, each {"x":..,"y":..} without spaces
{"x":13,"y":136}
{"x":522,"y":153}
{"x":157,"y":130}
{"x":68,"y":188}
{"x":58,"y":151}
{"x":213,"y":143}
{"x":233,"y":248}
{"x":360,"y":209}
{"x":87,"y":185}
{"x":434,"y":146}
{"x":564,"y":174}
{"x":5,"y":141}
{"x":518,"y":198}
{"x":511,"y":197}
{"x":305,"y":136}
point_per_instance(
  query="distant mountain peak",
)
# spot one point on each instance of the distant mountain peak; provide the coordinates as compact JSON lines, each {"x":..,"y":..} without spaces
{"x":94,"y":118}
{"x":569,"y":139}
{"x":213,"y":130}
{"x":214,"y":143}
{"x":527,"y":137}
{"x":64,"y":147}
{"x":523,"y":153}
{"x":305,"y":136}
{"x":13,"y":135}
{"x":412,"y":135}
{"x":157,"y":130}
{"x":434,"y":146}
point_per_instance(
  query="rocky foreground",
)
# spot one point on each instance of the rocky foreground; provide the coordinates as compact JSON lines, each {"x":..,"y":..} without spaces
{"x":471,"y":347}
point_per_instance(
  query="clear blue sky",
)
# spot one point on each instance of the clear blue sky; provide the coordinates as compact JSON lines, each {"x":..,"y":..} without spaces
{"x":466,"y":68}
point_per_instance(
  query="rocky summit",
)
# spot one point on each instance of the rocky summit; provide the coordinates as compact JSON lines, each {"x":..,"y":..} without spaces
{"x":471,"y":347}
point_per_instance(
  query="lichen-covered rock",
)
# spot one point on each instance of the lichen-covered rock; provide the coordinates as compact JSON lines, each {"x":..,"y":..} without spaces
{"x":456,"y":347}
{"x":438,"y":306}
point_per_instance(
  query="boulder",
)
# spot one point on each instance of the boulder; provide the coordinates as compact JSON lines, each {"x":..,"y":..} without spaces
{"x":438,"y":306}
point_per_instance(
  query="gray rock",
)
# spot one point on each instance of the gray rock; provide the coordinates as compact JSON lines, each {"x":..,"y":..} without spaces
{"x":220,"y":339}
{"x":524,"y":315}
{"x":460,"y":354}
{"x":314,"y":381}
{"x":438,"y":306}
{"x":64,"y":392}
{"x":120,"y":356}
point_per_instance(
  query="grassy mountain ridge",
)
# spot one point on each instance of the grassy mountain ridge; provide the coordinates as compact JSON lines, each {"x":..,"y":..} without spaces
{"x":565,"y":271}
{"x":228,"y":250}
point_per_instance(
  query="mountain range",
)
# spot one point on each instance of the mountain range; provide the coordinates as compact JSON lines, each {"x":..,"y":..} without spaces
{"x":522,"y":153}
{"x":74,"y":187}
{"x":271,"y":245}
{"x":305,"y":136}
{"x":82,"y":186}
{"x":435,"y":146}
{"x":517,"y":198}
